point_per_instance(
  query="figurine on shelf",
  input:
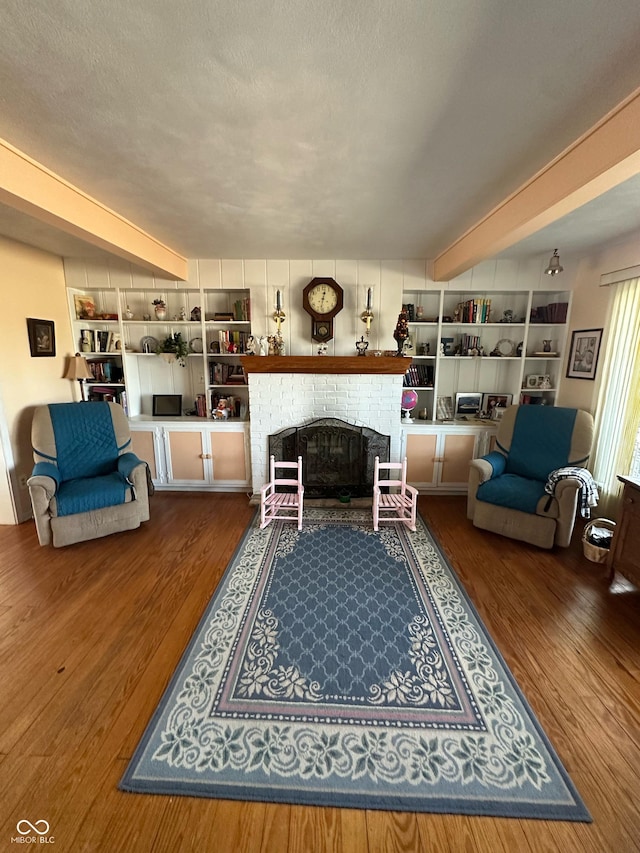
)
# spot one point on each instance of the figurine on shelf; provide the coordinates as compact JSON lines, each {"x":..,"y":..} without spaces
{"x":196,"y":315}
{"x":362,"y":346}
{"x":182,"y":315}
{"x":221,"y":412}
{"x":276,"y":344}
{"x":401,"y":332}
{"x":263,"y":343}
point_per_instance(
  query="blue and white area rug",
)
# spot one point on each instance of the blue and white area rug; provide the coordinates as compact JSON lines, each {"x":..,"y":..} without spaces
{"x":336,"y":666}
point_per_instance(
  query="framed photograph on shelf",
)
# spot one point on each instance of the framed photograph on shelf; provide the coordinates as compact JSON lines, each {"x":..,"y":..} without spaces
{"x":42,"y":337}
{"x":85,"y":306}
{"x":490,"y":402}
{"x":583,"y":354}
{"x":444,"y":409}
{"x":236,"y":375}
{"x":468,"y":403}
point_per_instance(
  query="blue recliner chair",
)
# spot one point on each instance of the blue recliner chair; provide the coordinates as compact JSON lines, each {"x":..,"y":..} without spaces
{"x":507,"y":487}
{"x":85,"y":482}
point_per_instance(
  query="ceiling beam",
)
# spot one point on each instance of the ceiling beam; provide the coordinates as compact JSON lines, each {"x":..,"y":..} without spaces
{"x":31,"y":188}
{"x":606,"y":155}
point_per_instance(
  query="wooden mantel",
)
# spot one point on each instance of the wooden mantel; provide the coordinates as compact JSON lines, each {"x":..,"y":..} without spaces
{"x":354,"y":364}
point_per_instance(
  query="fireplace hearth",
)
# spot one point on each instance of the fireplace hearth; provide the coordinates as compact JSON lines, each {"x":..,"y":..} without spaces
{"x":337,"y":457}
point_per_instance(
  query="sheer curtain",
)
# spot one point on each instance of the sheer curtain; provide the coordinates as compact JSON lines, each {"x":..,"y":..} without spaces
{"x":617,"y":421}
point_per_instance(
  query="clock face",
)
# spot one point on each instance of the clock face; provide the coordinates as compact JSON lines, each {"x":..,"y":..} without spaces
{"x":322,"y":298}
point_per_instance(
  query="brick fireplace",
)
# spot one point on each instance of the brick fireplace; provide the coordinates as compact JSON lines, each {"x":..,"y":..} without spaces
{"x":291,"y":391}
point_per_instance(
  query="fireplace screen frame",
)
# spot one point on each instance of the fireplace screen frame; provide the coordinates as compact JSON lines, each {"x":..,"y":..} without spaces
{"x":337,"y":457}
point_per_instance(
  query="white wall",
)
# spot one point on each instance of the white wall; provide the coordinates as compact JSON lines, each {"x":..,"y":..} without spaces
{"x":591,"y":306}
{"x":32,"y":285}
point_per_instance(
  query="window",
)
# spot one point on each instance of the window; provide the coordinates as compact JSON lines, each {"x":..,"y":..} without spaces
{"x":617,"y":433}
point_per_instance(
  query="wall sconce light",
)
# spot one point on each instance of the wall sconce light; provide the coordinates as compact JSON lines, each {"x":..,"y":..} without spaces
{"x":554,"y":267}
{"x":77,"y":368}
{"x":278,"y":315}
{"x":367,"y":314}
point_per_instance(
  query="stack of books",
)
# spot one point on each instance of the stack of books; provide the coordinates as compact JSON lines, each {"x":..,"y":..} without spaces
{"x":555,"y":312}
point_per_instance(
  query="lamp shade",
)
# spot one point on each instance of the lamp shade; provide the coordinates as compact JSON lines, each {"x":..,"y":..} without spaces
{"x":554,"y":266}
{"x":77,"y":368}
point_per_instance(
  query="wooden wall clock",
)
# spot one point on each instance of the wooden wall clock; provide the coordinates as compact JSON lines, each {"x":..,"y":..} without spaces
{"x":322,"y":298}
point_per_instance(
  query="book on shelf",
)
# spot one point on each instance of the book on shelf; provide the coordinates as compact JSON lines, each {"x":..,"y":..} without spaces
{"x":469,"y":342}
{"x":222,"y":373}
{"x":555,"y":312}
{"x":418,"y":376}
{"x":201,"y":406}
{"x":232,"y":341}
{"x":242,"y":310}
{"x":104,"y":370}
{"x":474,"y":311}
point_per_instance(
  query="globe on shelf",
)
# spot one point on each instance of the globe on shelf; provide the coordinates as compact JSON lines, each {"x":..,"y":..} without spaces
{"x":409,"y":402}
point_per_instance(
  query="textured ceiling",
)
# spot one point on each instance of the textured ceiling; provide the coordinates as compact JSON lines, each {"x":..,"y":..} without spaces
{"x":359,"y":129}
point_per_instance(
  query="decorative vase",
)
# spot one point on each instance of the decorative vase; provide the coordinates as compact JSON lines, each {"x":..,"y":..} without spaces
{"x":161,"y":313}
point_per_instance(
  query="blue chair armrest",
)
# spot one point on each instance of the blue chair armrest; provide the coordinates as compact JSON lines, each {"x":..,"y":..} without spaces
{"x":497,"y":461}
{"x":127,"y":462}
{"x":46,"y":469}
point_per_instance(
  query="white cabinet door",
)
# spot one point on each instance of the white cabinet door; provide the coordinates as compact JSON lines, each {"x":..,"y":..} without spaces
{"x":438,"y":457}
{"x":195,"y":456}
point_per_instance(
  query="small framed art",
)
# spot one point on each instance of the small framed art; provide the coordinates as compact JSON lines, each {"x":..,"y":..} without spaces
{"x":583,"y":355}
{"x":490,"y":402}
{"x":42,"y":338}
{"x":468,"y":404}
{"x":444,"y":409}
{"x":85,"y":306}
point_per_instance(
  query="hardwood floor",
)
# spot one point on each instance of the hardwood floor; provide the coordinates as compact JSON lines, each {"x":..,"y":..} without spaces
{"x":90,"y":635}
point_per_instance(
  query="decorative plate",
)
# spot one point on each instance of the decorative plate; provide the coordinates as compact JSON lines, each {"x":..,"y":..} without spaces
{"x":506,"y":347}
{"x":149,"y":344}
{"x":195,"y":345}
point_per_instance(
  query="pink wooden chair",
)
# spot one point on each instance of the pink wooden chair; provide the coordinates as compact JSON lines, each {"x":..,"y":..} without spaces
{"x":287,"y":505}
{"x":399,"y":505}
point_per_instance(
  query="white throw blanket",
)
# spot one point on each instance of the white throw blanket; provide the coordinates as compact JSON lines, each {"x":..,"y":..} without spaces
{"x":588,"y":496}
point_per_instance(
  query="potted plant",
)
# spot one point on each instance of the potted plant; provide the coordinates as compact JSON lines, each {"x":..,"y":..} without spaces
{"x":160,"y":307}
{"x":175,"y":346}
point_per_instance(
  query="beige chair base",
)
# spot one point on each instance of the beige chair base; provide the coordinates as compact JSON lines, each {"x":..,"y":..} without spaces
{"x":523,"y":526}
{"x":92,"y":525}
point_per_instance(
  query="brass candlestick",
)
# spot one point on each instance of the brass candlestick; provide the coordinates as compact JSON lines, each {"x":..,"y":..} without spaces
{"x":279,"y":316}
{"x":367,"y":317}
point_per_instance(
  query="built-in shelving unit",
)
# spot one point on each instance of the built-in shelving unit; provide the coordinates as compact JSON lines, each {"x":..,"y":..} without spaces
{"x":497,"y":344}
{"x":121,"y":333}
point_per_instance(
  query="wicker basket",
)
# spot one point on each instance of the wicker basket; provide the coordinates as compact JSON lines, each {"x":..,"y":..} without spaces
{"x":594,"y":552}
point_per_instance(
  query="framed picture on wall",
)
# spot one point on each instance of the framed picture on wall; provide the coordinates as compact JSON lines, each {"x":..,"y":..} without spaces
{"x":42,"y":337}
{"x":583,"y":354}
